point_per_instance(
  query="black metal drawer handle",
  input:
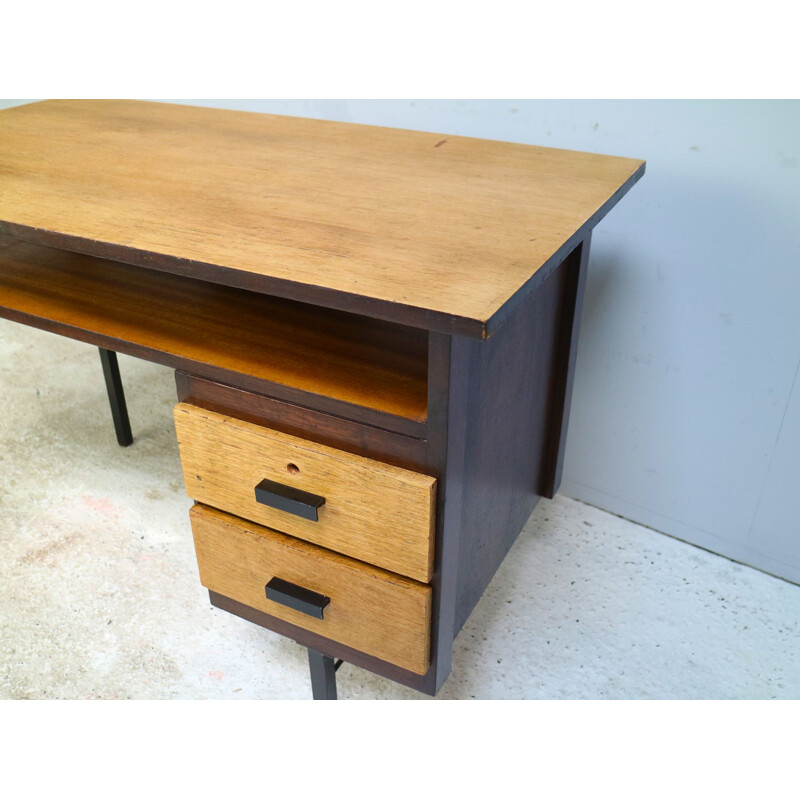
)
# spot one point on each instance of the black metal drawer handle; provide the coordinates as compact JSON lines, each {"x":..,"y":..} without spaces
{"x":287,"y":498}
{"x":296,"y":597}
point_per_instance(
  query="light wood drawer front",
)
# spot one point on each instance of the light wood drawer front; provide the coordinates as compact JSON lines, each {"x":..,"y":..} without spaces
{"x":371,"y":610}
{"x":373,"y":511}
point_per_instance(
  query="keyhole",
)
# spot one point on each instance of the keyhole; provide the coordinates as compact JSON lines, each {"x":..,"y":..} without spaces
{"x":292,"y":468}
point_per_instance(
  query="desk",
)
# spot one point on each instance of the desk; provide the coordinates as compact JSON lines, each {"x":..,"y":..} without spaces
{"x":373,"y":333}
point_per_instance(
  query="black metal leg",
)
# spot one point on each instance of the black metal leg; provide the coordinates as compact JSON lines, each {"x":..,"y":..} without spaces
{"x":323,"y":675}
{"x":116,"y":396}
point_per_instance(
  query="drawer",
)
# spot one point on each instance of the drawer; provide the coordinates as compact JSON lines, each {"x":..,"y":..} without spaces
{"x":368,"y":609}
{"x":371,"y":511}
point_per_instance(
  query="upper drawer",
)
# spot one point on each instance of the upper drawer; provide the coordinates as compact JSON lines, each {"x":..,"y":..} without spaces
{"x":372,"y":511}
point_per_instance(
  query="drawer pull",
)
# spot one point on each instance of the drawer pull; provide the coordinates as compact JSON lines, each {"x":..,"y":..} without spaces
{"x":296,"y":597}
{"x":287,"y":498}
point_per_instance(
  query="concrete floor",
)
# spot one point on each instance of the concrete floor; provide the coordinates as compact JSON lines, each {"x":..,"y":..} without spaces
{"x":99,"y":594}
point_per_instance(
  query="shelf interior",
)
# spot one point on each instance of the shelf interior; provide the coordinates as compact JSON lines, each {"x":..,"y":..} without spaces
{"x":187,"y":323}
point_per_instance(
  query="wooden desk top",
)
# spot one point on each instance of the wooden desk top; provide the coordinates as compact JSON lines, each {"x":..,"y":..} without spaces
{"x":431,"y":230}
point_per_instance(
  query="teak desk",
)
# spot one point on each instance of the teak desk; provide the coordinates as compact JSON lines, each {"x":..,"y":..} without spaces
{"x":373,"y":332}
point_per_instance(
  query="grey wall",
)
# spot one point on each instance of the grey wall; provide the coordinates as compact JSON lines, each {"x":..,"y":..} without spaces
{"x":686,"y":408}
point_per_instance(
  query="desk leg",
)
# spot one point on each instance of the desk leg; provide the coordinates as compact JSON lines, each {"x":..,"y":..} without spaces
{"x":323,"y":675}
{"x":116,"y":396}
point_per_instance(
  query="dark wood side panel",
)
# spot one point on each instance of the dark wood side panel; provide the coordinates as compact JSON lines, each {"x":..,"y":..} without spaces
{"x":448,"y":380}
{"x":566,"y":349}
{"x":513,"y":378}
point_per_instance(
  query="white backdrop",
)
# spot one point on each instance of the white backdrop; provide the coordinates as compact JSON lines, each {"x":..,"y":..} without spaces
{"x":686,"y":405}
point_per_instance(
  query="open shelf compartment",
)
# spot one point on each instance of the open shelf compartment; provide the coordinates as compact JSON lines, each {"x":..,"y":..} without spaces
{"x":339,"y":362}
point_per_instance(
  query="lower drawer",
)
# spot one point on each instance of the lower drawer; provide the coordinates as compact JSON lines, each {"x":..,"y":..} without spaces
{"x":371,"y":610}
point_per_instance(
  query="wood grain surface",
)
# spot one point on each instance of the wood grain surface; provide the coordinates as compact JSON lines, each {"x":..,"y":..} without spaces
{"x":328,"y":353}
{"x":373,"y":511}
{"x":371,"y":610}
{"x":343,"y":434}
{"x":435,"y":230}
{"x":323,"y":644}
